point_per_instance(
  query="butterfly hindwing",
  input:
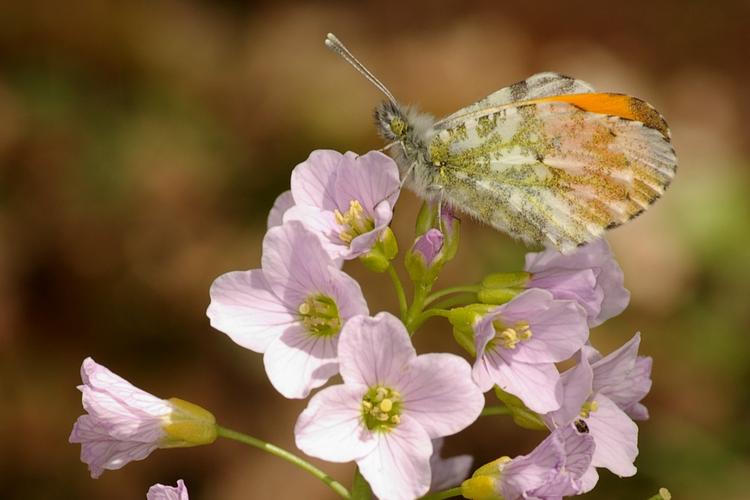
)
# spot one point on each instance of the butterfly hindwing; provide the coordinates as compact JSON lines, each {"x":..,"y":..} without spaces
{"x":549,"y":171}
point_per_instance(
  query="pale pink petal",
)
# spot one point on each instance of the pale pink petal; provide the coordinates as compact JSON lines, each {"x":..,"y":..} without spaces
{"x":577,"y":388}
{"x":323,"y":224}
{"x":438,"y":392}
{"x":374,"y":351}
{"x":399,"y":467}
{"x":298,"y":362}
{"x":163,"y":492}
{"x":578,"y":451}
{"x":331,"y":426}
{"x":370,"y":179}
{"x":616,"y":438}
{"x":537,"y":385}
{"x":447,"y":472}
{"x":569,"y":284}
{"x":529,"y":472}
{"x":243,"y":307}
{"x":102,"y":452}
{"x":313,"y":180}
{"x":293,"y":262}
{"x":589,"y":479}
{"x":364,"y":242}
{"x":283,"y":202}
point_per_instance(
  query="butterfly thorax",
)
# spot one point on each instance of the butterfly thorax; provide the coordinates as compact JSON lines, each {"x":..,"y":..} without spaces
{"x":409,"y":131}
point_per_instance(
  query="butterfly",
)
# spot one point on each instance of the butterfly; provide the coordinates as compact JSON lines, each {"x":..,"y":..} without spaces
{"x":547,"y":160}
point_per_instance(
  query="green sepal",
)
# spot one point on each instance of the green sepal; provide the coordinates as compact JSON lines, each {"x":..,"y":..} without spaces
{"x":522,"y":416}
{"x":499,"y":288}
{"x":425,"y":219}
{"x":463,"y":320}
{"x":382,"y":253}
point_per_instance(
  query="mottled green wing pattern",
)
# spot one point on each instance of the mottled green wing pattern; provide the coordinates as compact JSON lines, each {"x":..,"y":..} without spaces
{"x":549,"y":172}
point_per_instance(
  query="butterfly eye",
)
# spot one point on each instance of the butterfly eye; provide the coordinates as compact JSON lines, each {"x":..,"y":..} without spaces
{"x":398,"y":126}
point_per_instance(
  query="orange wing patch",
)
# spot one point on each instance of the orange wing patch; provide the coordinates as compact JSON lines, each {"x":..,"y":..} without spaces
{"x":624,"y":106}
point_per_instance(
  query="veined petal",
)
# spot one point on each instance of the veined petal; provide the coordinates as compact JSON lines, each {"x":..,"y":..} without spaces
{"x":369,"y":179}
{"x":323,"y":224}
{"x":529,"y":472}
{"x":438,"y":392}
{"x":163,"y":492}
{"x":537,"y":385}
{"x":578,"y":285}
{"x":399,"y":467}
{"x":616,"y":438}
{"x":298,"y":362}
{"x":577,"y":388}
{"x":622,"y":376}
{"x":313,"y":180}
{"x":375,"y":350}
{"x":283,"y":202}
{"x":331,"y":427}
{"x":293,"y":262}
{"x":243,"y":307}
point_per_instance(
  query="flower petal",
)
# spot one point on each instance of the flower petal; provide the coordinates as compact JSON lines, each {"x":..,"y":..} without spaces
{"x":163,"y":492}
{"x":375,"y":350}
{"x":283,"y":202}
{"x":399,"y":467}
{"x":293,"y":262}
{"x":313,"y":180}
{"x":576,"y":384}
{"x":323,"y":224}
{"x":537,"y":385}
{"x":622,"y":376}
{"x":331,"y":426}
{"x":438,"y":392}
{"x":369,"y":179}
{"x":243,"y":307}
{"x":529,"y":472}
{"x":616,"y":438}
{"x":447,"y":472}
{"x":298,"y":362}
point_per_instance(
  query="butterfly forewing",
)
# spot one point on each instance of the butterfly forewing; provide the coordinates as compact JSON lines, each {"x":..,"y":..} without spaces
{"x":547,"y":170}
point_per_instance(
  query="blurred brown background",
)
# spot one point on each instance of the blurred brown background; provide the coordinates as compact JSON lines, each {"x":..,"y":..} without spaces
{"x":143,"y":142}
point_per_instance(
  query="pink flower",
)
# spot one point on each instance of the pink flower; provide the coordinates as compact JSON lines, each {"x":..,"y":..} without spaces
{"x":589,"y":275}
{"x":558,"y":467}
{"x":347,"y":200}
{"x":447,"y":472}
{"x":391,"y":404}
{"x":518,"y":344}
{"x":162,"y":492}
{"x":615,"y":434}
{"x":291,"y":309}
{"x":428,"y":246}
{"x":125,"y":423}
{"x":622,"y":376}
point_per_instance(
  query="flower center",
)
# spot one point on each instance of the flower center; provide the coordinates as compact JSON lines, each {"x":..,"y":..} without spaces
{"x":509,"y":337}
{"x":320,"y":315}
{"x":587,"y":408}
{"x":353,"y":222}
{"x":381,"y":408}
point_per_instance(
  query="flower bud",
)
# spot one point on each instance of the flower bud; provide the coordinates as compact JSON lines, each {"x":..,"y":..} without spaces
{"x":484,"y":483}
{"x":425,"y":259}
{"x":499,"y":288}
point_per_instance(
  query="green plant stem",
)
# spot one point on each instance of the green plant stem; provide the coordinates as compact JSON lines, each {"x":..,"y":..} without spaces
{"x":286,"y":455}
{"x":447,"y":291}
{"x":399,"y":290}
{"x":420,"y":293}
{"x":495,"y":410}
{"x":457,"y":300}
{"x":449,"y":493}
{"x":424,"y":316}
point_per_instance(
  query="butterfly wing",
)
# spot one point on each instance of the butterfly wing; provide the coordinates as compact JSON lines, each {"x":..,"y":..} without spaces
{"x":536,"y":86}
{"x":556,"y":170}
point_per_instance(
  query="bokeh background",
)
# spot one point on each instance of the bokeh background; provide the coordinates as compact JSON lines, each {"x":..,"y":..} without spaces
{"x":143,"y":142}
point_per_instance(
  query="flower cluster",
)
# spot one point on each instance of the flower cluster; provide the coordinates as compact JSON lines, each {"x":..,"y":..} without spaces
{"x":311,"y":322}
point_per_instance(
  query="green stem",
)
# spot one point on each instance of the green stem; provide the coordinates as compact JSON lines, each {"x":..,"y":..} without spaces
{"x":449,"y":493}
{"x":429,"y":313}
{"x":455,"y":289}
{"x":399,"y":290}
{"x":495,"y":410}
{"x":457,"y":300}
{"x":288,"y":456}
{"x":420,"y":293}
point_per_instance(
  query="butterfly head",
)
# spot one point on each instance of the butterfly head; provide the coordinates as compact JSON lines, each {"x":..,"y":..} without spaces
{"x":391,"y":122}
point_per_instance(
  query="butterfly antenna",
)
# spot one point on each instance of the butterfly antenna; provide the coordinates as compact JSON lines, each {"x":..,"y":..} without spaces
{"x":335,"y":45}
